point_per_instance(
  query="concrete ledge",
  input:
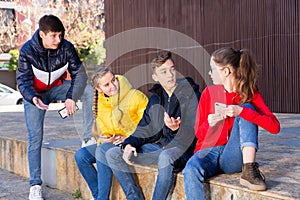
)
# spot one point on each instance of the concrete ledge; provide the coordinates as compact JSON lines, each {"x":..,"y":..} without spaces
{"x":279,"y":158}
{"x":60,"y":171}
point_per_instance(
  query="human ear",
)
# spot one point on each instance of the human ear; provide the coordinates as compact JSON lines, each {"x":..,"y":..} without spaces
{"x":154,"y":77}
{"x":227,"y":71}
{"x":42,"y":34}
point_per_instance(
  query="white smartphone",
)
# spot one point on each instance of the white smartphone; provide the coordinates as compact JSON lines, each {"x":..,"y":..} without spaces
{"x":220,"y":109}
{"x":63,"y":112}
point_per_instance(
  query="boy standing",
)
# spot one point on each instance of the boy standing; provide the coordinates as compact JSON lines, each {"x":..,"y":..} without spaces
{"x":42,"y":69}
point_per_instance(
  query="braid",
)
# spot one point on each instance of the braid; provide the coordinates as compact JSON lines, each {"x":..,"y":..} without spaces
{"x":95,"y":106}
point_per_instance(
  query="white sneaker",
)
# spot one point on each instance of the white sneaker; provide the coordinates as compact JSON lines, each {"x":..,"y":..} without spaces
{"x":89,"y":142}
{"x":35,"y":193}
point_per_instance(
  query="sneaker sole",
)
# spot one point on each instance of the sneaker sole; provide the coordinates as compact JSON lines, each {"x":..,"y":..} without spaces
{"x":252,"y":186}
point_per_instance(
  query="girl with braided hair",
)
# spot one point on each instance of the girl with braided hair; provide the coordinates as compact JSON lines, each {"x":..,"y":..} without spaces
{"x":226,"y":127}
{"x":117,"y":110}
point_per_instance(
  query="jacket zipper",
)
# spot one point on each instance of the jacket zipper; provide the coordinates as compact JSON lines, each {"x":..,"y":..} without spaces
{"x":48,"y":67}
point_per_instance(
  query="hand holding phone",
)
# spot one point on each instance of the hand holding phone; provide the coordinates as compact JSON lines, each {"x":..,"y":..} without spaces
{"x":63,"y":112}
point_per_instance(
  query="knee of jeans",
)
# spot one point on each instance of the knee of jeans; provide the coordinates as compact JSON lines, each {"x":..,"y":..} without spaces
{"x":191,"y":171}
{"x":113,"y":154}
{"x":164,"y":159}
{"x":79,"y":156}
{"x":100,"y":152}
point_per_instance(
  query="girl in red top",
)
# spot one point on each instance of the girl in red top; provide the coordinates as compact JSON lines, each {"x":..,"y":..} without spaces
{"x":226,"y":127}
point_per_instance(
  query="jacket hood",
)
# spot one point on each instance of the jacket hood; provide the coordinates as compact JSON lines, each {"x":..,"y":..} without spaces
{"x":124,"y":86}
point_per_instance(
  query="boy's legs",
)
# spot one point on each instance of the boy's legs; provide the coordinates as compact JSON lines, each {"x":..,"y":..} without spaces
{"x":166,"y":166}
{"x":87,"y":112}
{"x":34,"y":118}
{"x":122,"y":172}
{"x":85,"y":158}
{"x":59,"y":93}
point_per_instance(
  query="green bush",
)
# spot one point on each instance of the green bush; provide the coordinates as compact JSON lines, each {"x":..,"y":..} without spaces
{"x":93,"y":53}
{"x":13,"y":62}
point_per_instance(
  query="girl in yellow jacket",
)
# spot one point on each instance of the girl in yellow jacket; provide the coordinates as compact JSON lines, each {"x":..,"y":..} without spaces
{"x":118,"y":108}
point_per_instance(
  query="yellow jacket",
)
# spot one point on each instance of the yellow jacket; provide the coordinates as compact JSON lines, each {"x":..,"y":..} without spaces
{"x":132,"y":102}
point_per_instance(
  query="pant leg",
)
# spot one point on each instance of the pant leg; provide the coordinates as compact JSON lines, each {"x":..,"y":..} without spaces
{"x":34,"y":118}
{"x":123,"y":174}
{"x":59,"y":93}
{"x":104,"y":171}
{"x":87,"y":111}
{"x":166,"y":166}
{"x":244,"y":133}
{"x":85,"y":158}
{"x":202,"y":165}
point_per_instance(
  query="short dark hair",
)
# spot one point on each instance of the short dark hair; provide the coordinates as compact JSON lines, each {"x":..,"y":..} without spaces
{"x":51,"y":23}
{"x":160,"y":59}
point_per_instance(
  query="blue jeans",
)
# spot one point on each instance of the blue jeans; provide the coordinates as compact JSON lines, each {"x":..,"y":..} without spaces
{"x":166,"y":159}
{"x":219,"y":159}
{"x":34,"y":118}
{"x":99,"y":183}
{"x":87,"y":112}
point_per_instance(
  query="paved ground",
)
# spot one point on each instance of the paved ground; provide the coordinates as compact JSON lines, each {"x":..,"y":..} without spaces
{"x":14,"y":187}
{"x":279,"y":155}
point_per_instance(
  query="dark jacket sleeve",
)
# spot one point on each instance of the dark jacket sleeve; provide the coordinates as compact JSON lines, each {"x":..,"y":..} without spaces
{"x":146,"y":131}
{"x":25,"y":75}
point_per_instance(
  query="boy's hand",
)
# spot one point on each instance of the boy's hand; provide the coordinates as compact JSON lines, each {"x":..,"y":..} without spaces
{"x":128,"y":152}
{"x":39,"y":103}
{"x":171,"y":122}
{"x":70,"y":106}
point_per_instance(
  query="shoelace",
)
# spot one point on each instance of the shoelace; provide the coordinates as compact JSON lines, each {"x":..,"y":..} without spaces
{"x":257,"y":172}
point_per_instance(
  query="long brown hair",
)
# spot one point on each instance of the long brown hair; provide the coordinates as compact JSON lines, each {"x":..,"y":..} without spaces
{"x":245,"y":70}
{"x":99,"y":73}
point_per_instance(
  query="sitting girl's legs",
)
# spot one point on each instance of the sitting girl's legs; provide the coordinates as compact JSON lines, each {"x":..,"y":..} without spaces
{"x":104,"y":171}
{"x":200,"y":166}
{"x":239,"y":153}
{"x":85,"y":158}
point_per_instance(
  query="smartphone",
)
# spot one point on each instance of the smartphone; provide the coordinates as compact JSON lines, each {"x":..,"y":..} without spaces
{"x":63,"y":112}
{"x":220,"y":109}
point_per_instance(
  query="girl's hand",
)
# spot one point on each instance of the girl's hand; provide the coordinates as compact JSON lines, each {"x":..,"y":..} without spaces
{"x":213,"y":119}
{"x":118,"y":140}
{"x":104,"y":139}
{"x":233,"y":110}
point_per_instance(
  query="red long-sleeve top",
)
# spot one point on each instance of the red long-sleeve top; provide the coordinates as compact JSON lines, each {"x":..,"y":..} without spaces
{"x":219,"y":134}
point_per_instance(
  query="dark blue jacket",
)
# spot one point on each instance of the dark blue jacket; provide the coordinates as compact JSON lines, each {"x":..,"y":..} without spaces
{"x":183,"y":103}
{"x":41,"y":69}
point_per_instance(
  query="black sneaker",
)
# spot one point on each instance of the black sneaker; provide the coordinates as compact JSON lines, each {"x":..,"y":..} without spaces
{"x":252,"y":178}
